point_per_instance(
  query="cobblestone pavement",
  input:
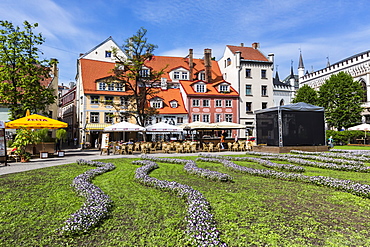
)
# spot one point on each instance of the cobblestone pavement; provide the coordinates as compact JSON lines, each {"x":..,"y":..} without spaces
{"x":71,"y":155}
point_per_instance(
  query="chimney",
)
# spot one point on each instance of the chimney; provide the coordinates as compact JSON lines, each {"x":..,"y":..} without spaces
{"x":242,"y":44}
{"x":256,"y":45}
{"x":191,"y":64}
{"x":208,"y":65}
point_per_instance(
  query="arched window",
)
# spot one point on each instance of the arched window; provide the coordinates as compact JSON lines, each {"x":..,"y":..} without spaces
{"x":282,"y":102}
{"x":363,"y":85}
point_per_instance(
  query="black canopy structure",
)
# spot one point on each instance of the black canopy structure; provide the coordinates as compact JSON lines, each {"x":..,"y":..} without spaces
{"x":298,"y":124}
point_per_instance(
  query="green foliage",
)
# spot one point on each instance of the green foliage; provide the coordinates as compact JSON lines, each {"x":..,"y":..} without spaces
{"x":342,"y":98}
{"x":23,"y":138}
{"x":307,"y":95}
{"x":345,"y":137}
{"x":141,"y":85}
{"x":21,"y":70}
{"x":42,"y":135}
{"x":61,"y":134}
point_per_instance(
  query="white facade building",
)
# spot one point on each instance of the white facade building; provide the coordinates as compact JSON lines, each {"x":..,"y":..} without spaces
{"x":358,"y":66}
{"x":250,"y":72}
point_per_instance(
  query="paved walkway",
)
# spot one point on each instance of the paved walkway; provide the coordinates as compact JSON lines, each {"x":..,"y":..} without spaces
{"x":71,"y":155}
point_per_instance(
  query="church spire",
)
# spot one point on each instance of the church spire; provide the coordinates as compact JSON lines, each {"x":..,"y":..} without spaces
{"x":300,"y":65}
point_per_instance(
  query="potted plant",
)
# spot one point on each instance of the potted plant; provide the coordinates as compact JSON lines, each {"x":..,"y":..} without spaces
{"x":24,"y":137}
{"x":42,"y":136}
{"x":60,"y":136}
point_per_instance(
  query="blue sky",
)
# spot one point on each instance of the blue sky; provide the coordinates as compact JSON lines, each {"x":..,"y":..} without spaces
{"x":319,"y":28}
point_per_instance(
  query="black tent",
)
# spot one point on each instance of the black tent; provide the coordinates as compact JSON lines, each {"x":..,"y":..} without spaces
{"x":298,"y":124}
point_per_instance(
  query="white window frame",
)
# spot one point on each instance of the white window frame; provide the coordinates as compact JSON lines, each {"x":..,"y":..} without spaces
{"x":195,"y":103}
{"x":102,"y":86}
{"x":174,"y":104}
{"x":229,"y":118}
{"x":218,"y":103}
{"x":205,"y":118}
{"x":200,"y":88}
{"x":94,"y":117}
{"x":206,"y":103}
{"x":224,"y":88}
{"x":196,"y":117}
{"x":228,"y":103}
{"x":94,"y":100}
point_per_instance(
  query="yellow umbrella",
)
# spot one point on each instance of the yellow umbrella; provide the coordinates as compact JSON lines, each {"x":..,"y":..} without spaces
{"x":35,"y":121}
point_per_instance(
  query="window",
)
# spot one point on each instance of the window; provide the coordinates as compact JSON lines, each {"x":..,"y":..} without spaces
{"x":248,"y":89}
{"x":263,"y":74}
{"x":200,"y":88}
{"x":228,"y":118}
{"x":206,"y":118}
{"x":108,"y":99}
{"x":218,"y":103}
{"x":144,"y":73}
{"x":205,"y":103}
{"x":218,"y":118}
{"x":124,"y":118}
{"x":281,"y":102}
{"x":228,"y":103}
{"x":248,"y":106}
{"x":224,"y":88}
{"x":108,"y":117}
{"x":94,"y":100}
{"x":176,"y":75}
{"x":119,"y":86}
{"x":248,"y":73}
{"x":158,"y":119}
{"x":195,"y":102}
{"x":108,"y":54}
{"x":196,"y":117}
{"x":180,"y":120}
{"x":202,"y":76}
{"x":184,"y":75}
{"x":110,"y":86}
{"x":124,"y":102}
{"x":94,"y":117}
{"x":363,"y":85}
{"x":264,"y":105}
{"x":157,"y":104}
{"x":173,"y":104}
{"x":228,"y":62}
{"x":264,"y":90}
{"x":102,"y":86}
{"x":148,"y":121}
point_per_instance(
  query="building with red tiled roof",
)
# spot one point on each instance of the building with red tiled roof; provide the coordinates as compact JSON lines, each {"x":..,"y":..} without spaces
{"x":250,"y":72}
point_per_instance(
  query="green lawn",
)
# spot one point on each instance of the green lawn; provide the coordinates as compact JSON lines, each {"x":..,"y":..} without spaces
{"x":251,"y":211}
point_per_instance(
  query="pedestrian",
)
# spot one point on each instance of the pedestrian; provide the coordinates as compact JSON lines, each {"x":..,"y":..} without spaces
{"x":330,"y":142}
{"x":223,"y":136}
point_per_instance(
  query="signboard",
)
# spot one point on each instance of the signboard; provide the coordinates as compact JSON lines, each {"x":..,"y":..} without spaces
{"x":105,"y":140}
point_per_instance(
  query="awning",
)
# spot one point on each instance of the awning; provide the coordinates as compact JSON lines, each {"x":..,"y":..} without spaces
{"x":35,"y":121}
{"x":97,"y":126}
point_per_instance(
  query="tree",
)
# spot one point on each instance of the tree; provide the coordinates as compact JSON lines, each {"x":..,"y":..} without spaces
{"x":138,"y":80}
{"x":342,"y":98}
{"x":21,"y":71}
{"x":307,"y":95}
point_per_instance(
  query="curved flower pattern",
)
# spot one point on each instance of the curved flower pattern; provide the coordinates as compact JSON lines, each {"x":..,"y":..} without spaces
{"x":97,"y":203}
{"x":311,"y":157}
{"x":337,"y":155}
{"x":191,"y":167}
{"x":266,"y":163}
{"x":343,"y":185}
{"x":200,"y":223}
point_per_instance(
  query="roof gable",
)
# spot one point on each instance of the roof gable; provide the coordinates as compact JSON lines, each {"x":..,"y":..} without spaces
{"x":248,"y":53}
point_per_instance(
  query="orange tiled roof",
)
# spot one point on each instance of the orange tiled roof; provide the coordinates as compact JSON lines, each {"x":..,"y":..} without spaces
{"x":160,"y":62}
{"x":248,"y":53}
{"x":92,"y":70}
{"x":212,"y":89}
{"x":169,"y":95}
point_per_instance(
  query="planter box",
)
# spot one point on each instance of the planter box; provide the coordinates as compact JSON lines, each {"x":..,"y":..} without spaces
{"x":48,"y":147}
{"x":44,"y":155}
{"x":60,"y":153}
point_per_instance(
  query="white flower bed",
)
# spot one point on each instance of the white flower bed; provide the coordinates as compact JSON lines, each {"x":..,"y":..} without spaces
{"x":97,"y":203}
{"x":201,"y":227}
{"x":343,"y":185}
{"x":191,"y":167}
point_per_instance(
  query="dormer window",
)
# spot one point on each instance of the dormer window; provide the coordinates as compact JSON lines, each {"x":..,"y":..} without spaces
{"x":202,"y":76}
{"x":180,"y":74}
{"x":156,"y":103}
{"x":144,"y":73}
{"x":224,"y":88}
{"x":174,"y":104}
{"x":200,"y":88}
